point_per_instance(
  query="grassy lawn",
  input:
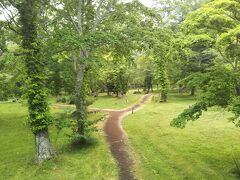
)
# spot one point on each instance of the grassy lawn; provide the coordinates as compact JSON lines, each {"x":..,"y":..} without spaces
{"x":205,"y":149}
{"x":112,"y":102}
{"x":92,"y":161}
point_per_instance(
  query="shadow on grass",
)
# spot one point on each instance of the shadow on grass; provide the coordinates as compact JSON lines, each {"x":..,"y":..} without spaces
{"x":80,"y":146}
{"x":70,"y":148}
{"x":236,"y":170}
{"x":236,"y":173}
{"x":176,"y":97}
{"x":185,"y":97}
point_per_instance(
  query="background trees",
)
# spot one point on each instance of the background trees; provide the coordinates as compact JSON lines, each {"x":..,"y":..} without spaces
{"x":88,"y":31}
{"x":75,"y":49}
{"x":219,"y":84}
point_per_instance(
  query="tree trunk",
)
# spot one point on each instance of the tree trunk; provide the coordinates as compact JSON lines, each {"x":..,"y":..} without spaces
{"x":95,"y":93}
{"x":79,"y":100}
{"x":80,"y":113}
{"x":36,"y":91}
{"x":238,"y":91}
{"x":180,"y":89}
{"x":44,"y":149}
{"x":163,"y":96}
{"x":119,"y":94}
{"x":151,"y":88}
{"x":58,"y":98}
{"x":193,"y":89}
{"x":109,"y":93}
{"x":74,"y":58}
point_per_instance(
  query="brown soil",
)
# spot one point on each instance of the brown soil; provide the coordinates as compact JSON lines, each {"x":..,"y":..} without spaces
{"x":117,"y":139}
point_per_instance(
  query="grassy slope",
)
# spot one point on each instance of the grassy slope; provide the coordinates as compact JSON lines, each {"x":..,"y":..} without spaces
{"x":203,"y":150}
{"x":92,"y":161}
{"x":111,"y":102}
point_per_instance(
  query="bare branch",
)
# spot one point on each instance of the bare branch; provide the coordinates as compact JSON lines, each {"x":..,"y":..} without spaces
{"x":96,"y":21}
{"x":11,"y":28}
{"x":10,"y":18}
{"x":88,"y":2}
{"x":79,"y":16}
{"x":73,"y":22}
{"x":13,"y":3}
{"x":98,"y":18}
{"x":70,"y":9}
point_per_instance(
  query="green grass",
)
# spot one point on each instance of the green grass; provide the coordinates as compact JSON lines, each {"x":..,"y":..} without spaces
{"x":112,"y":102}
{"x":92,"y":161}
{"x":203,"y":150}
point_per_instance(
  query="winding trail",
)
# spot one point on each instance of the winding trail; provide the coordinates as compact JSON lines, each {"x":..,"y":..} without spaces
{"x":117,"y":138}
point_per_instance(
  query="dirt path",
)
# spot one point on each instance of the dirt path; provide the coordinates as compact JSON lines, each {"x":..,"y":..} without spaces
{"x":117,"y":140}
{"x":116,"y":137}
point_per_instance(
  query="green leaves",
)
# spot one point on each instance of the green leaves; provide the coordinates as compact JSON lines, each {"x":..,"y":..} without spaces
{"x":229,"y":43}
{"x":208,"y":20}
{"x":230,"y":37}
{"x":214,"y":26}
{"x":190,"y":114}
{"x":217,"y":89}
{"x":198,"y":40}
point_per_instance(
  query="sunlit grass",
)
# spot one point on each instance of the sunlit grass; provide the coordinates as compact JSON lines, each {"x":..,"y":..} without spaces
{"x":91,"y":161}
{"x":205,"y":149}
{"x":112,"y":102}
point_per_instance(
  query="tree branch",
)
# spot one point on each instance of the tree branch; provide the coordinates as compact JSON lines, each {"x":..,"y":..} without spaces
{"x":10,"y":19}
{"x":226,"y":59}
{"x":79,"y":16}
{"x":74,"y":23}
{"x":13,"y":3}
{"x":98,"y":18}
{"x":96,"y":21}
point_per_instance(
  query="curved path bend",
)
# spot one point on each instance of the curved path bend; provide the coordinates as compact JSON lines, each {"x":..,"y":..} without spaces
{"x":117,"y":139}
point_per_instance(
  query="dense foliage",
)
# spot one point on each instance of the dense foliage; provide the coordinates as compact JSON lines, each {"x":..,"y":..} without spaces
{"x":73,"y":50}
{"x":219,"y":84}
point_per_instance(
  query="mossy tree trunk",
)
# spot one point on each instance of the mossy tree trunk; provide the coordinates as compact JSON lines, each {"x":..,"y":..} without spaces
{"x":81,"y":109}
{"x":163,"y":96}
{"x":238,"y":91}
{"x":162,"y":79}
{"x":193,"y":90}
{"x":39,"y":118}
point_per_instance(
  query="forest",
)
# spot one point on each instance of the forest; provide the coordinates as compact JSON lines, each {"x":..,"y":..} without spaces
{"x":120,"y":89}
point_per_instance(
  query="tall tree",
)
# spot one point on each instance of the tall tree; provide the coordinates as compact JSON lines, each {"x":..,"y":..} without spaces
{"x":175,"y":12}
{"x":39,"y":118}
{"x":220,"y":84}
{"x":84,"y":18}
{"x":92,"y":29}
